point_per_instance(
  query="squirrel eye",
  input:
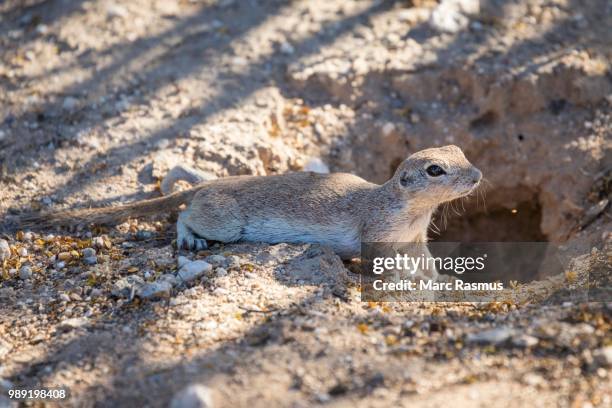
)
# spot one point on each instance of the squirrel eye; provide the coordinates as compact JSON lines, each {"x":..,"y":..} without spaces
{"x":435,"y":171}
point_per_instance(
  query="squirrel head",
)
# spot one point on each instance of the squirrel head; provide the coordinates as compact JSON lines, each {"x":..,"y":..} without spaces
{"x":433,"y":176}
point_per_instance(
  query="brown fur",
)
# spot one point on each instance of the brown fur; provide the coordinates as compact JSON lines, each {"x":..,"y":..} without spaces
{"x":107,"y":215}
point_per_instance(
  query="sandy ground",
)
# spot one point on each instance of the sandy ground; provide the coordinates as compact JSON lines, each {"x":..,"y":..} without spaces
{"x":100,"y":98}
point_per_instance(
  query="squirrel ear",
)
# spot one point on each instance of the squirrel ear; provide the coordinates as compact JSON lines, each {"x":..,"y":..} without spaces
{"x":405,"y":179}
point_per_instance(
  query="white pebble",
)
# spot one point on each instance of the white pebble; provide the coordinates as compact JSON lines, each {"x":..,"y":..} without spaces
{"x":194,"y":396}
{"x":287,"y":48}
{"x":70,"y":103}
{"x":5,"y":250}
{"x":388,"y":128}
{"x":316,"y":165}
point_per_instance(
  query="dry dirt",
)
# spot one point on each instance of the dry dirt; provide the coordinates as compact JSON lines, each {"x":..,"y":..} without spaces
{"x":99,"y":98}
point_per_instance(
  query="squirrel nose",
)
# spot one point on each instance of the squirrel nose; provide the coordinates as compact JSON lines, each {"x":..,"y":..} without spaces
{"x":476,"y":176}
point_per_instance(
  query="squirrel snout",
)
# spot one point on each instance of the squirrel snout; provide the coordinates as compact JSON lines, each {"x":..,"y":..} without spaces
{"x":476,"y":175}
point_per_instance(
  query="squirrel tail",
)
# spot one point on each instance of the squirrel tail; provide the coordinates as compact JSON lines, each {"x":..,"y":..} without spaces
{"x":107,"y":215}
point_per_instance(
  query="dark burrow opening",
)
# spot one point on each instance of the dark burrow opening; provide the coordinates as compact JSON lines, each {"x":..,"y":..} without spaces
{"x":516,"y":256}
{"x":469,"y":223}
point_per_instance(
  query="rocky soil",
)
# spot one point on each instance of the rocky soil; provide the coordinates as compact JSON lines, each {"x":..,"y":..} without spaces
{"x":100,"y":98}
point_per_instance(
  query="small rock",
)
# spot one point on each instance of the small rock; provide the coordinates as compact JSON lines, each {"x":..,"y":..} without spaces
{"x":216,"y":260}
{"x":155,"y":290}
{"x":193,"y":270}
{"x":451,"y":15}
{"x":142,"y":235}
{"x":64,"y":297}
{"x":221,"y":272}
{"x":603,"y":356}
{"x":194,"y":396}
{"x":76,"y":297}
{"x":89,"y":252}
{"x":533,"y":379}
{"x":71,"y":324}
{"x":594,"y":211}
{"x":182,"y":260}
{"x":388,"y":128}
{"x":5,"y":250}
{"x":125,"y":287}
{"x":5,"y":348}
{"x":162,"y":144}
{"x":42,"y":29}
{"x":316,"y":165}
{"x":287,"y":48}
{"x":98,"y":242}
{"x":5,"y":385}
{"x":116,"y":10}
{"x":221,"y":291}
{"x":377,"y":380}
{"x":234,"y":262}
{"x":7,"y":293}
{"x":239,"y":62}
{"x":25,"y":273}
{"x":95,"y":293}
{"x":524,"y":341}
{"x":493,"y":336}
{"x":28,"y":236}
{"x":70,"y":103}
{"x":171,"y":279}
{"x":22,"y":252}
{"x":60,"y":265}
{"x":64,"y":256}
{"x":90,"y":260}
{"x":122,"y":105}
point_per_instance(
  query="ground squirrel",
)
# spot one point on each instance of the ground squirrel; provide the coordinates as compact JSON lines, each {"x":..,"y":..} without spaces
{"x":338,"y":209}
